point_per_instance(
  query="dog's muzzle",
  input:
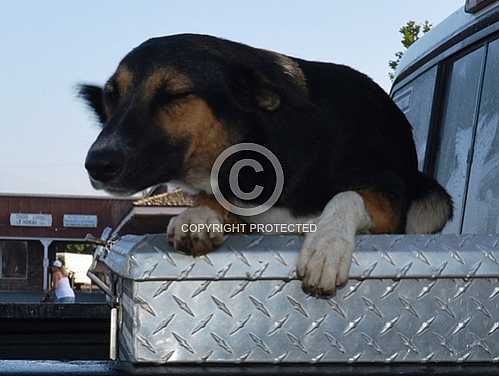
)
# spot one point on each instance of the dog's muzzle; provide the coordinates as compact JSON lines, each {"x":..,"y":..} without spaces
{"x":104,"y":165}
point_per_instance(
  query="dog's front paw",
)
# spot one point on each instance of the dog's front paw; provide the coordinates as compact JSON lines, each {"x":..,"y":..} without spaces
{"x":324,"y":262}
{"x":196,"y":230}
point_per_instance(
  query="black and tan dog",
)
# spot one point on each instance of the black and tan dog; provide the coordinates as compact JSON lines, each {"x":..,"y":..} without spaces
{"x":175,"y":103}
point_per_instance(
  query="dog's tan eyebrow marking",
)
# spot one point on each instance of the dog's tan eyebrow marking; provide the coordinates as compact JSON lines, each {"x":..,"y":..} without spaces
{"x":169,"y":78}
{"x":123,"y":78}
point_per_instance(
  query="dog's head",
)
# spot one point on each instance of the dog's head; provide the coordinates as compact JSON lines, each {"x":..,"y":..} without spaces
{"x":175,"y":103}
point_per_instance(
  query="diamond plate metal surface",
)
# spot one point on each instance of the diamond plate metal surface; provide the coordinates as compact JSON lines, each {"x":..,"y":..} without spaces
{"x":409,"y":299}
{"x":274,"y":257}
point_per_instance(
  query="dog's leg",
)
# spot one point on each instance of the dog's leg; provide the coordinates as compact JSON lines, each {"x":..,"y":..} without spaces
{"x":208,"y":218}
{"x":326,"y":254}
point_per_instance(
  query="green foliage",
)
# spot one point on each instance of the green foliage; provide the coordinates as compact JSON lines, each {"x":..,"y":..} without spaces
{"x":411,"y":32}
{"x":83,"y":248}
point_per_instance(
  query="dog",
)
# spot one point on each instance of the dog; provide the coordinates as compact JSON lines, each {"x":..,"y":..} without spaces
{"x":175,"y":103}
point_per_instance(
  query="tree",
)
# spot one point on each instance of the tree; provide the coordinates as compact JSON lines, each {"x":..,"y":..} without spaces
{"x":411,"y":32}
{"x":82,"y":248}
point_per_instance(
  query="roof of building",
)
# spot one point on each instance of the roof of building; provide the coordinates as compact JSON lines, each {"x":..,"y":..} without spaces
{"x":169,"y":199}
{"x":66,"y":196}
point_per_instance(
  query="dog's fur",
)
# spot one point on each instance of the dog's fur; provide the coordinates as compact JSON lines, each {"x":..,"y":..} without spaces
{"x":175,"y":103}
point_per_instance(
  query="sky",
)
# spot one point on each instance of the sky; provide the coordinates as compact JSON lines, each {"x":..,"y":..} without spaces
{"x":47,"y":48}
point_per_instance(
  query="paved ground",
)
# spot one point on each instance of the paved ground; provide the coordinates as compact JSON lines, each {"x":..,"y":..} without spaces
{"x":36,"y":297}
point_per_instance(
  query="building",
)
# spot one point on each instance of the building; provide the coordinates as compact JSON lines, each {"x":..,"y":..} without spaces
{"x":34,"y":228}
{"x":151,"y":214}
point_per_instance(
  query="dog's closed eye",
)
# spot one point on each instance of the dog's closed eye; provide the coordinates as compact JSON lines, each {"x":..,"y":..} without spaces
{"x":164,"y":98}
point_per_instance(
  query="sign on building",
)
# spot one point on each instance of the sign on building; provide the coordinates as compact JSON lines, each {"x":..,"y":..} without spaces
{"x":30,"y":219}
{"x":80,"y":220}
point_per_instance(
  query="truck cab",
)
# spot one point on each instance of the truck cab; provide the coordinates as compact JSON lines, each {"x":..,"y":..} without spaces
{"x":447,"y":84}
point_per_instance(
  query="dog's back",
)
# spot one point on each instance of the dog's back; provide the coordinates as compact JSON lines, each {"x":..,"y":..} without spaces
{"x":366,"y":135}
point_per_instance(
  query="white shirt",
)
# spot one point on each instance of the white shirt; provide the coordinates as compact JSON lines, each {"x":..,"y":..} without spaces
{"x":63,"y":289}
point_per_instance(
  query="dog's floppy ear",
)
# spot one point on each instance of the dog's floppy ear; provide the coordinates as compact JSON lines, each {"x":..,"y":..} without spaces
{"x":92,"y":95}
{"x":251,"y":90}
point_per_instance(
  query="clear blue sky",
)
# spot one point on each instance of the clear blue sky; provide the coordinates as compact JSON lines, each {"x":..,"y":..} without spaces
{"x":48,"y":47}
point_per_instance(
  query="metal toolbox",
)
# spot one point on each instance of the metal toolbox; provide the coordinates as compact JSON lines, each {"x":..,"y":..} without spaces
{"x":409,"y":299}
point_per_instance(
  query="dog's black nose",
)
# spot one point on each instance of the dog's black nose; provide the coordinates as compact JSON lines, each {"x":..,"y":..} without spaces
{"x":104,"y":164}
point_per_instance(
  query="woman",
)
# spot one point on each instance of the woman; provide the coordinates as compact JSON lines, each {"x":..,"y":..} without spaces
{"x":60,"y":284}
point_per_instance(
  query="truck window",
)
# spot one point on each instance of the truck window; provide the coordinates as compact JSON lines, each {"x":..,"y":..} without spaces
{"x":482,"y":203}
{"x":415,"y":100}
{"x":456,"y":130}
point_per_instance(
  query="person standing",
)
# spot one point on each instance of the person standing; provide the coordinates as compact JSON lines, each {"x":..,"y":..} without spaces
{"x":60,"y":284}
